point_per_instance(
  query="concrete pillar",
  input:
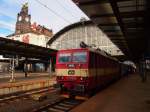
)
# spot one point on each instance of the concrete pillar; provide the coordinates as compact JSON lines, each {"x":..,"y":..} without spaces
{"x":26,"y":68}
{"x":50,"y":66}
{"x":142,"y":69}
{"x":45,"y":66}
{"x":33,"y":67}
{"x":147,"y":29}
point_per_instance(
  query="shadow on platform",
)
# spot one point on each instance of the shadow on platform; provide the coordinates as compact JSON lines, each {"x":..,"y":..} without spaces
{"x":127,"y":95}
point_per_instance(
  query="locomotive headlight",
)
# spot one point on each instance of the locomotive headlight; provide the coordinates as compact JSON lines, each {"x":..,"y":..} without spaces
{"x":83,"y":78}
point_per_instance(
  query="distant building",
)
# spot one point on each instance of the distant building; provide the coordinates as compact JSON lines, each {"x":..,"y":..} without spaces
{"x":4,"y":67}
{"x":30,"y":33}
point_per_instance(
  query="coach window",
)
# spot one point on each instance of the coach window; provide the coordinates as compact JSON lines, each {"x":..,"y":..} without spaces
{"x":80,"y":57}
{"x":64,"y":58}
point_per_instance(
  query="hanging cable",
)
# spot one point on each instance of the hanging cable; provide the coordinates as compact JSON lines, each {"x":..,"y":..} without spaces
{"x":52,"y":11}
{"x":65,"y":9}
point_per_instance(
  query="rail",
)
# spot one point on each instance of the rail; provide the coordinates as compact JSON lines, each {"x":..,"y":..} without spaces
{"x":60,"y":105}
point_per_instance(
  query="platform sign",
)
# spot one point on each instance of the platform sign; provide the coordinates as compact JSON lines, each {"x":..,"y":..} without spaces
{"x":8,"y":56}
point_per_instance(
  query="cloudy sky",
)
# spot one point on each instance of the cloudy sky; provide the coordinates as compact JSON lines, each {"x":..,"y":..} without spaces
{"x":53,"y":14}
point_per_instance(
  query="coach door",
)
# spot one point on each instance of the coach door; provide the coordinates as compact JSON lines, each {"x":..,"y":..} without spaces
{"x":96,"y":68}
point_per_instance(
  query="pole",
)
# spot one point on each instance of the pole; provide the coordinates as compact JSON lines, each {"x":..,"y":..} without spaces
{"x":13,"y":70}
{"x":26,"y":69}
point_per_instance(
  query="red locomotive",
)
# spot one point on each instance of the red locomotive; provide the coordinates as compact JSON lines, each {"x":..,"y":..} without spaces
{"x":83,"y":70}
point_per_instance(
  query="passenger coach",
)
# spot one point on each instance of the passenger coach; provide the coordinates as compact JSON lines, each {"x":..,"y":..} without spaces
{"x":83,"y":70}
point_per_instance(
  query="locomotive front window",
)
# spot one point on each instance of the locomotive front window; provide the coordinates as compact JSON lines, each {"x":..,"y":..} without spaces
{"x":64,"y":58}
{"x":79,"y":57}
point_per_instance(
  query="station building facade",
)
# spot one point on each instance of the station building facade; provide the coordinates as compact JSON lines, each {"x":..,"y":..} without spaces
{"x":83,"y":31}
{"x":30,"y":33}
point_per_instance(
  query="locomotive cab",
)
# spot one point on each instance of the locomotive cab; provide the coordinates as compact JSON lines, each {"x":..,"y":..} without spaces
{"x":72,"y":69}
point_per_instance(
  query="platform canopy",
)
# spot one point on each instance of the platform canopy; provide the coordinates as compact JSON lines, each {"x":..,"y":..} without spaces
{"x":12,"y":48}
{"x":122,"y":21}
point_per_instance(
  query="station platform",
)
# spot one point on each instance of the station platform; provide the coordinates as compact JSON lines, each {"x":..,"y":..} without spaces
{"x":129,"y":94}
{"x":20,"y":77}
{"x":22,"y":83}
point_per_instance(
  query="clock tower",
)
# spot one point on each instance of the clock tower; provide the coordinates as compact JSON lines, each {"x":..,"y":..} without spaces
{"x":23,"y":24}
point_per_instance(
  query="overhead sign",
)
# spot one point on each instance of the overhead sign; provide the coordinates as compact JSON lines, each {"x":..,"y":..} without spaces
{"x":10,"y":56}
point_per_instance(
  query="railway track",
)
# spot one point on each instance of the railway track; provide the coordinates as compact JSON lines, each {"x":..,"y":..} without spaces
{"x":53,"y":103}
{"x":61,"y":105}
{"x":25,"y":95}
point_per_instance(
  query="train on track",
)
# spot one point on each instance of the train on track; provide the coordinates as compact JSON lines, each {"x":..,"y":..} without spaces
{"x":81,"y":71}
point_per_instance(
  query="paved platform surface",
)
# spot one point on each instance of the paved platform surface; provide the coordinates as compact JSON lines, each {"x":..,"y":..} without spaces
{"x":127,"y":95}
{"x":20,"y":78}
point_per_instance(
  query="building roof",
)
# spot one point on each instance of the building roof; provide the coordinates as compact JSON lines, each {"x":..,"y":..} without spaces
{"x":124,"y":21}
{"x":12,"y":47}
{"x":67,"y":28}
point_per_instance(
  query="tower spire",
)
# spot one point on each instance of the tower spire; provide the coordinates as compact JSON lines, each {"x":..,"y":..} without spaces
{"x":24,"y":8}
{"x":23,"y":23}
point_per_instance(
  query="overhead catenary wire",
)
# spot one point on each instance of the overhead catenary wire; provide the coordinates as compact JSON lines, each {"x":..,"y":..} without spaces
{"x":65,"y":9}
{"x":52,"y":11}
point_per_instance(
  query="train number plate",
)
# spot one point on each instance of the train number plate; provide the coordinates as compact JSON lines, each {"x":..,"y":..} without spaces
{"x":71,"y":72}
